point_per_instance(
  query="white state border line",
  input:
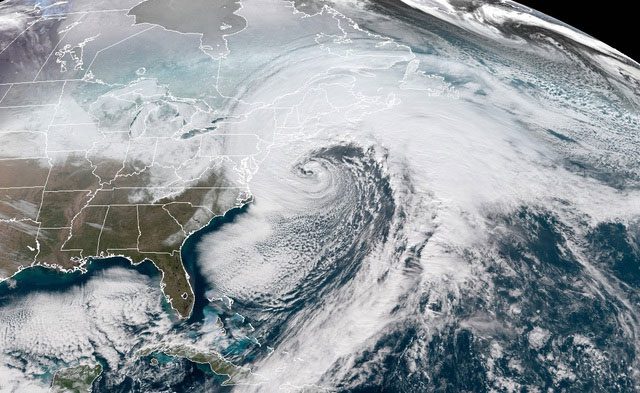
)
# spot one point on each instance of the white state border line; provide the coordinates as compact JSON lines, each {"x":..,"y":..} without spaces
{"x":61,"y":14}
{"x":21,"y":33}
{"x":46,"y":81}
{"x":111,"y":46}
{"x":128,"y":188}
{"x":6,"y":92}
{"x":56,"y":47}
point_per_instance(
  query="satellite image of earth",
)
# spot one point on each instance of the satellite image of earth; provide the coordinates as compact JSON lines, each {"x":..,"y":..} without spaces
{"x":315,"y":196}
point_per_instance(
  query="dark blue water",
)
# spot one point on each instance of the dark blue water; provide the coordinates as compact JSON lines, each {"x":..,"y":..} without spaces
{"x":45,"y":279}
{"x":50,"y":280}
{"x":40,"y":278}
{"x":189,"y":253}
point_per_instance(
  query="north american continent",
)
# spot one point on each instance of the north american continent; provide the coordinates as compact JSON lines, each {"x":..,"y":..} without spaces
{"x":99,"y":171}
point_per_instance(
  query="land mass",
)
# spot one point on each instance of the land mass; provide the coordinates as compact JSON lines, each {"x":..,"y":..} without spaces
{"x":75,"y":226}
{"x":76,"y":379}
{"x":125,"y":184}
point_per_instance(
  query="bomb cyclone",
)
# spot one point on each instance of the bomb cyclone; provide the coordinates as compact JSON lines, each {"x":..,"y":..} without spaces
{"x":444,"y":197}
{"x":343,"y":205}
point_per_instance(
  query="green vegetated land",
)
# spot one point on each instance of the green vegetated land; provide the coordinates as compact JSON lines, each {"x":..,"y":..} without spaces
{"x":76,"y":379}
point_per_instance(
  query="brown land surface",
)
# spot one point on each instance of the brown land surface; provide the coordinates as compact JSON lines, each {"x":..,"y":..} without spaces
{"x":23,"y":173}
{"x":60,"y":207}
{"x":125,"y":218}
{"x":20,"y":203}
{"x":17,"y":237}
{"x":120,"y":230}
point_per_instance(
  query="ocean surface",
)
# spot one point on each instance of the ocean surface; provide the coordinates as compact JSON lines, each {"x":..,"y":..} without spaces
{"x":141,"y":372}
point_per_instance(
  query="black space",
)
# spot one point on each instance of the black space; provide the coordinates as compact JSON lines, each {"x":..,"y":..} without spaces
{"x":608,"y":22}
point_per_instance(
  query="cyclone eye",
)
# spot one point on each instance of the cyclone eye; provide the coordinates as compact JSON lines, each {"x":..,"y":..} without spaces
{"x":316,"y":232}
{"x":306,"y":172}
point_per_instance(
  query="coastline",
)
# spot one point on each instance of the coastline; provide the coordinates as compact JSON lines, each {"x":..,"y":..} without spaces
{"x":189,"y":254}
{"x":61,"y":277}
